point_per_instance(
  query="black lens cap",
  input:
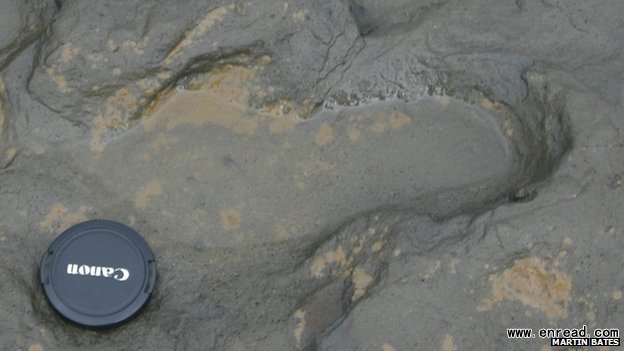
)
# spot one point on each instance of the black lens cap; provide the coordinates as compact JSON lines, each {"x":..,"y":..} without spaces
{"x":98,"y":273}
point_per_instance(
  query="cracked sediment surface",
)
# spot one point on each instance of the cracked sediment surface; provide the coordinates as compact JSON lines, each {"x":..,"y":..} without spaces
{"x":353,"y":175}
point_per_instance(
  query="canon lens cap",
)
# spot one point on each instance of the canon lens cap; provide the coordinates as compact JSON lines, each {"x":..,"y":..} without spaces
{"x":98,"y":273}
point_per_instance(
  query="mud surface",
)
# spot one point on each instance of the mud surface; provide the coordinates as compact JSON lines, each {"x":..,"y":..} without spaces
{"x":334,"y":175}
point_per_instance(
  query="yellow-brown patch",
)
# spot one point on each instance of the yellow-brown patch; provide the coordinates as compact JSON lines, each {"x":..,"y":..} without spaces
{"x":443,"y":100}
{"x":221,"y":98}
{"x":230,"y":219}
{"x":385,"y":121}
{"x":378,"y":245}
{"x":230,"y":83}
{"x":122,"y":101}
{"x":399,"y":120}
{"x":97,"y":57}
{"x":300,"y":15}
{"x":490,"y":104}
{"x":617,"y":294}
{"x":388,"y":347}
{"x":60,"y":81}
{"x":300,"y":317}
{"x":35,"y":347}
{"x":361,"y":281}
{"x":212,"y":17}
{"x":357,"y":248}
{"x":324,"y":135}
{"x":134,"y":46}
{"x":285,"y":114}
{"x":119,"y":106}
{"x":210,"y":110}
{"x":99,"y":129}
{"x":68,"y":52}
{"x":314,"y":167}
{"x":530,"y":282}
{"x":337,"y":256}
{"x":282,"y":232}
{"x":353,"y":132}
{"x":2,"y":86}
{"x":110,"y":45}
{"x":10,"y":153}
{"x":378,"y":127}
{"x":164,"y":75}
{"x":453,"y":265}
{"x":59,"y":218}
{"x":508,"y":126}
{"x":141,"y":196}
{"x":265,"y":60}
{"x":448,"y":343}
{"x":430,"y":271}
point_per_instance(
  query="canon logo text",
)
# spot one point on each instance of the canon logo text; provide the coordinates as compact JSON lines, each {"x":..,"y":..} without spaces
{"x":120,"y":274}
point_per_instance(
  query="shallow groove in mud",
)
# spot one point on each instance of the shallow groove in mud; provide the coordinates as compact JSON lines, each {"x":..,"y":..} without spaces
{"x":228,"y":175}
